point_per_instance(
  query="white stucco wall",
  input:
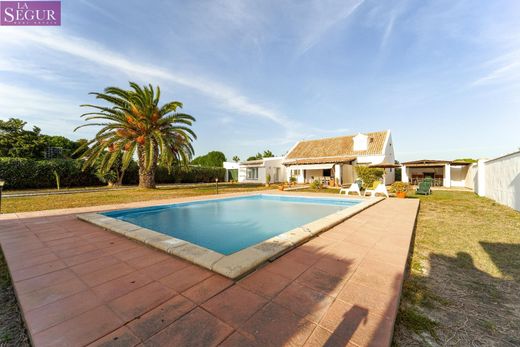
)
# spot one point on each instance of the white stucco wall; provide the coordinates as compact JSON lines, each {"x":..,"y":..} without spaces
{"x":502,"y":180}
{"x":458,"y":175}
{"x":269,"y":166}
{"x":471,"y":177}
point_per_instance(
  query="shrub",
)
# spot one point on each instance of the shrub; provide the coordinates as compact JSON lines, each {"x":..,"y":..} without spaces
{"x":369,"y":175}
{"x":22,"y":173}
{"x":316,"y":185}
{"x":400,"y":187}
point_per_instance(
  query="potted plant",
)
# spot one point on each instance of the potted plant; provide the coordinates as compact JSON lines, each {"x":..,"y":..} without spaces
{"x":267,"y":180}
{"x":400,"y":189}
{"x":292,"y":179}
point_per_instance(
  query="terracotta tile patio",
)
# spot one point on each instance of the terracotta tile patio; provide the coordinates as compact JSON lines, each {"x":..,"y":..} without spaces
{"x":80,"y":285}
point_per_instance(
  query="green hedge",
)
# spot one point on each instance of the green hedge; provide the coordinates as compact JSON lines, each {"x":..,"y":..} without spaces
{"x":29,"y":173}
{"x":20,"y":173}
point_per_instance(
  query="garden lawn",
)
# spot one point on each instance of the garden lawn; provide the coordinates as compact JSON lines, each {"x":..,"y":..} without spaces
{"x":58,"y":201}
{"x":464,"y":283}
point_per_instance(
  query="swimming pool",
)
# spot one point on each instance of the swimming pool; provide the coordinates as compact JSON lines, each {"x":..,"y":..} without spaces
{"x":231,"y":235}
{"x":229,"y":225}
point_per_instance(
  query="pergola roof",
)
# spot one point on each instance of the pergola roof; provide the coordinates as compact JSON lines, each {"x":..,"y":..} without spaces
{"x":433,"y":163}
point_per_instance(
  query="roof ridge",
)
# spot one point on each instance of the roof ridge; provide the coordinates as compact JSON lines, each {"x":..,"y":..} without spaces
{"x":339,"y":136}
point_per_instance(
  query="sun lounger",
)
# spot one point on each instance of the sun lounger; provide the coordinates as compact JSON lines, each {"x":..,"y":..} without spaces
{"x":377,"y":187}
{"x":354,"y":188}
{"x":424,"y":188}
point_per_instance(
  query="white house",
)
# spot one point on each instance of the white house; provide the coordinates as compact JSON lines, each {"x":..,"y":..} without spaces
{"x":256,"y":171}
{"x":333,"y":159}
{"x":330,"y":159}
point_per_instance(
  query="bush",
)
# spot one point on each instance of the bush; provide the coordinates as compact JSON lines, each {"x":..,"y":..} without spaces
{"x":369,"y":175}
{"x":316,"y":185}
{"x":22,"y":173}
{"x":400,"y":187}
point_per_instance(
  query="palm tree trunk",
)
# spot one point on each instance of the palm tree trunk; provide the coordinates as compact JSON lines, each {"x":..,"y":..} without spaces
{"x":146,"y":176}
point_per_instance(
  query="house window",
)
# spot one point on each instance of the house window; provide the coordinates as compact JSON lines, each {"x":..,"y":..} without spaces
{"x":326,"y":172}
{"x":252,"y":173}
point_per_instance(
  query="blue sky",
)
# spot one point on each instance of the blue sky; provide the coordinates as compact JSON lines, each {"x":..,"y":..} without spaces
{"x":444,"y":76}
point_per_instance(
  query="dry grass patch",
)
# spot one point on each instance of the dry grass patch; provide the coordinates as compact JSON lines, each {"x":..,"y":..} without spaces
{"x":464,"y":283}
{"x":50,"y":202}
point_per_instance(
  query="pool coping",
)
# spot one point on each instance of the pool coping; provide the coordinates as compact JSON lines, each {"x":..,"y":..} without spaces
{"x":238,"y":264}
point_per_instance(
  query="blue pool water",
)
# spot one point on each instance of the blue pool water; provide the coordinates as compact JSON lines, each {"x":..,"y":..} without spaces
{"x":229,"y":225}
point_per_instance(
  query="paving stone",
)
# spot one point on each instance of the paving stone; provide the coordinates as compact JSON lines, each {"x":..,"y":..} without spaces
{"x":274,"y":325}
{"x":207,"y":289}
{"x":235,"y":305}
{"x":197,"y":328}
{"x":264,"y":283}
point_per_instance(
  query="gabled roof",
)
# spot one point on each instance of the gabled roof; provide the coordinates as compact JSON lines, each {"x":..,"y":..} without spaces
{"x":340,"y":146}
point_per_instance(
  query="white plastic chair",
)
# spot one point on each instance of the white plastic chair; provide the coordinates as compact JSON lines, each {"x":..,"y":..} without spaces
{"x":354,"y":188}
{"x":381,"y":189}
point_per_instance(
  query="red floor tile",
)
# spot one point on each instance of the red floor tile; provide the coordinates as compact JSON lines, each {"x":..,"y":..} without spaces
{"x":37,"y":270}
{"x":235,"y":305}
{"x":165,"y":268}
{"x":238,"y":340}
{"x":264,"y":283}
{"x":186,"y":278}
{"x":44,"y":296}
{"x":122,"y":337}
{"x":121,"y":286}
{"x":197,"y":328}
{"x":384,"y":304}
{"x":322,"y":281}
{"x":274,"y":325}
{"x":61,"y":310}
{"x":321,"y":337}
{"x":111,"y":272}
{"x":207,"y":289}
{"x":141,"y":300}
{"x":287,"y":268}
{"x":43,"y":281}
{"x":80,"y":330}
{"x":97,"y":264}
{"x":304,"y":301}
{"x":160,"y":317}
{"x":33,"y":260}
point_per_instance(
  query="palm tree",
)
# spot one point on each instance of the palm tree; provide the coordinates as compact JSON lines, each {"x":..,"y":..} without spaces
{"x":136,"y":122}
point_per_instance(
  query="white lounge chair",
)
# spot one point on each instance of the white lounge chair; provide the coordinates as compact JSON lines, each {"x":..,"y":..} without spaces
{"x":354,"y":188}
{"x":380,"y":188}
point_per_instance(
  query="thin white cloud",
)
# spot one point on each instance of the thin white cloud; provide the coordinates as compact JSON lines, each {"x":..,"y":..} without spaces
{"x":103,"y":57}
{"x":505,"y":71}
{"x":388,"y":30}
{"x":324,"y":17}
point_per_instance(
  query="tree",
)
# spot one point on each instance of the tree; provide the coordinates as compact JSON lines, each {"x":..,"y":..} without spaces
{"x":214,"y":158}
{"x":267,"y":154}
{"x":258,"y":156}
{"x":136,"y":123}
{"x":236,"y":159}
{"x":68,"y":146}
{"x":15,"y":141}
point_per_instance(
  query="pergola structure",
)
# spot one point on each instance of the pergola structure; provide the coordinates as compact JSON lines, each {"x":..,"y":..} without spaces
{"x":444,"y":173}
